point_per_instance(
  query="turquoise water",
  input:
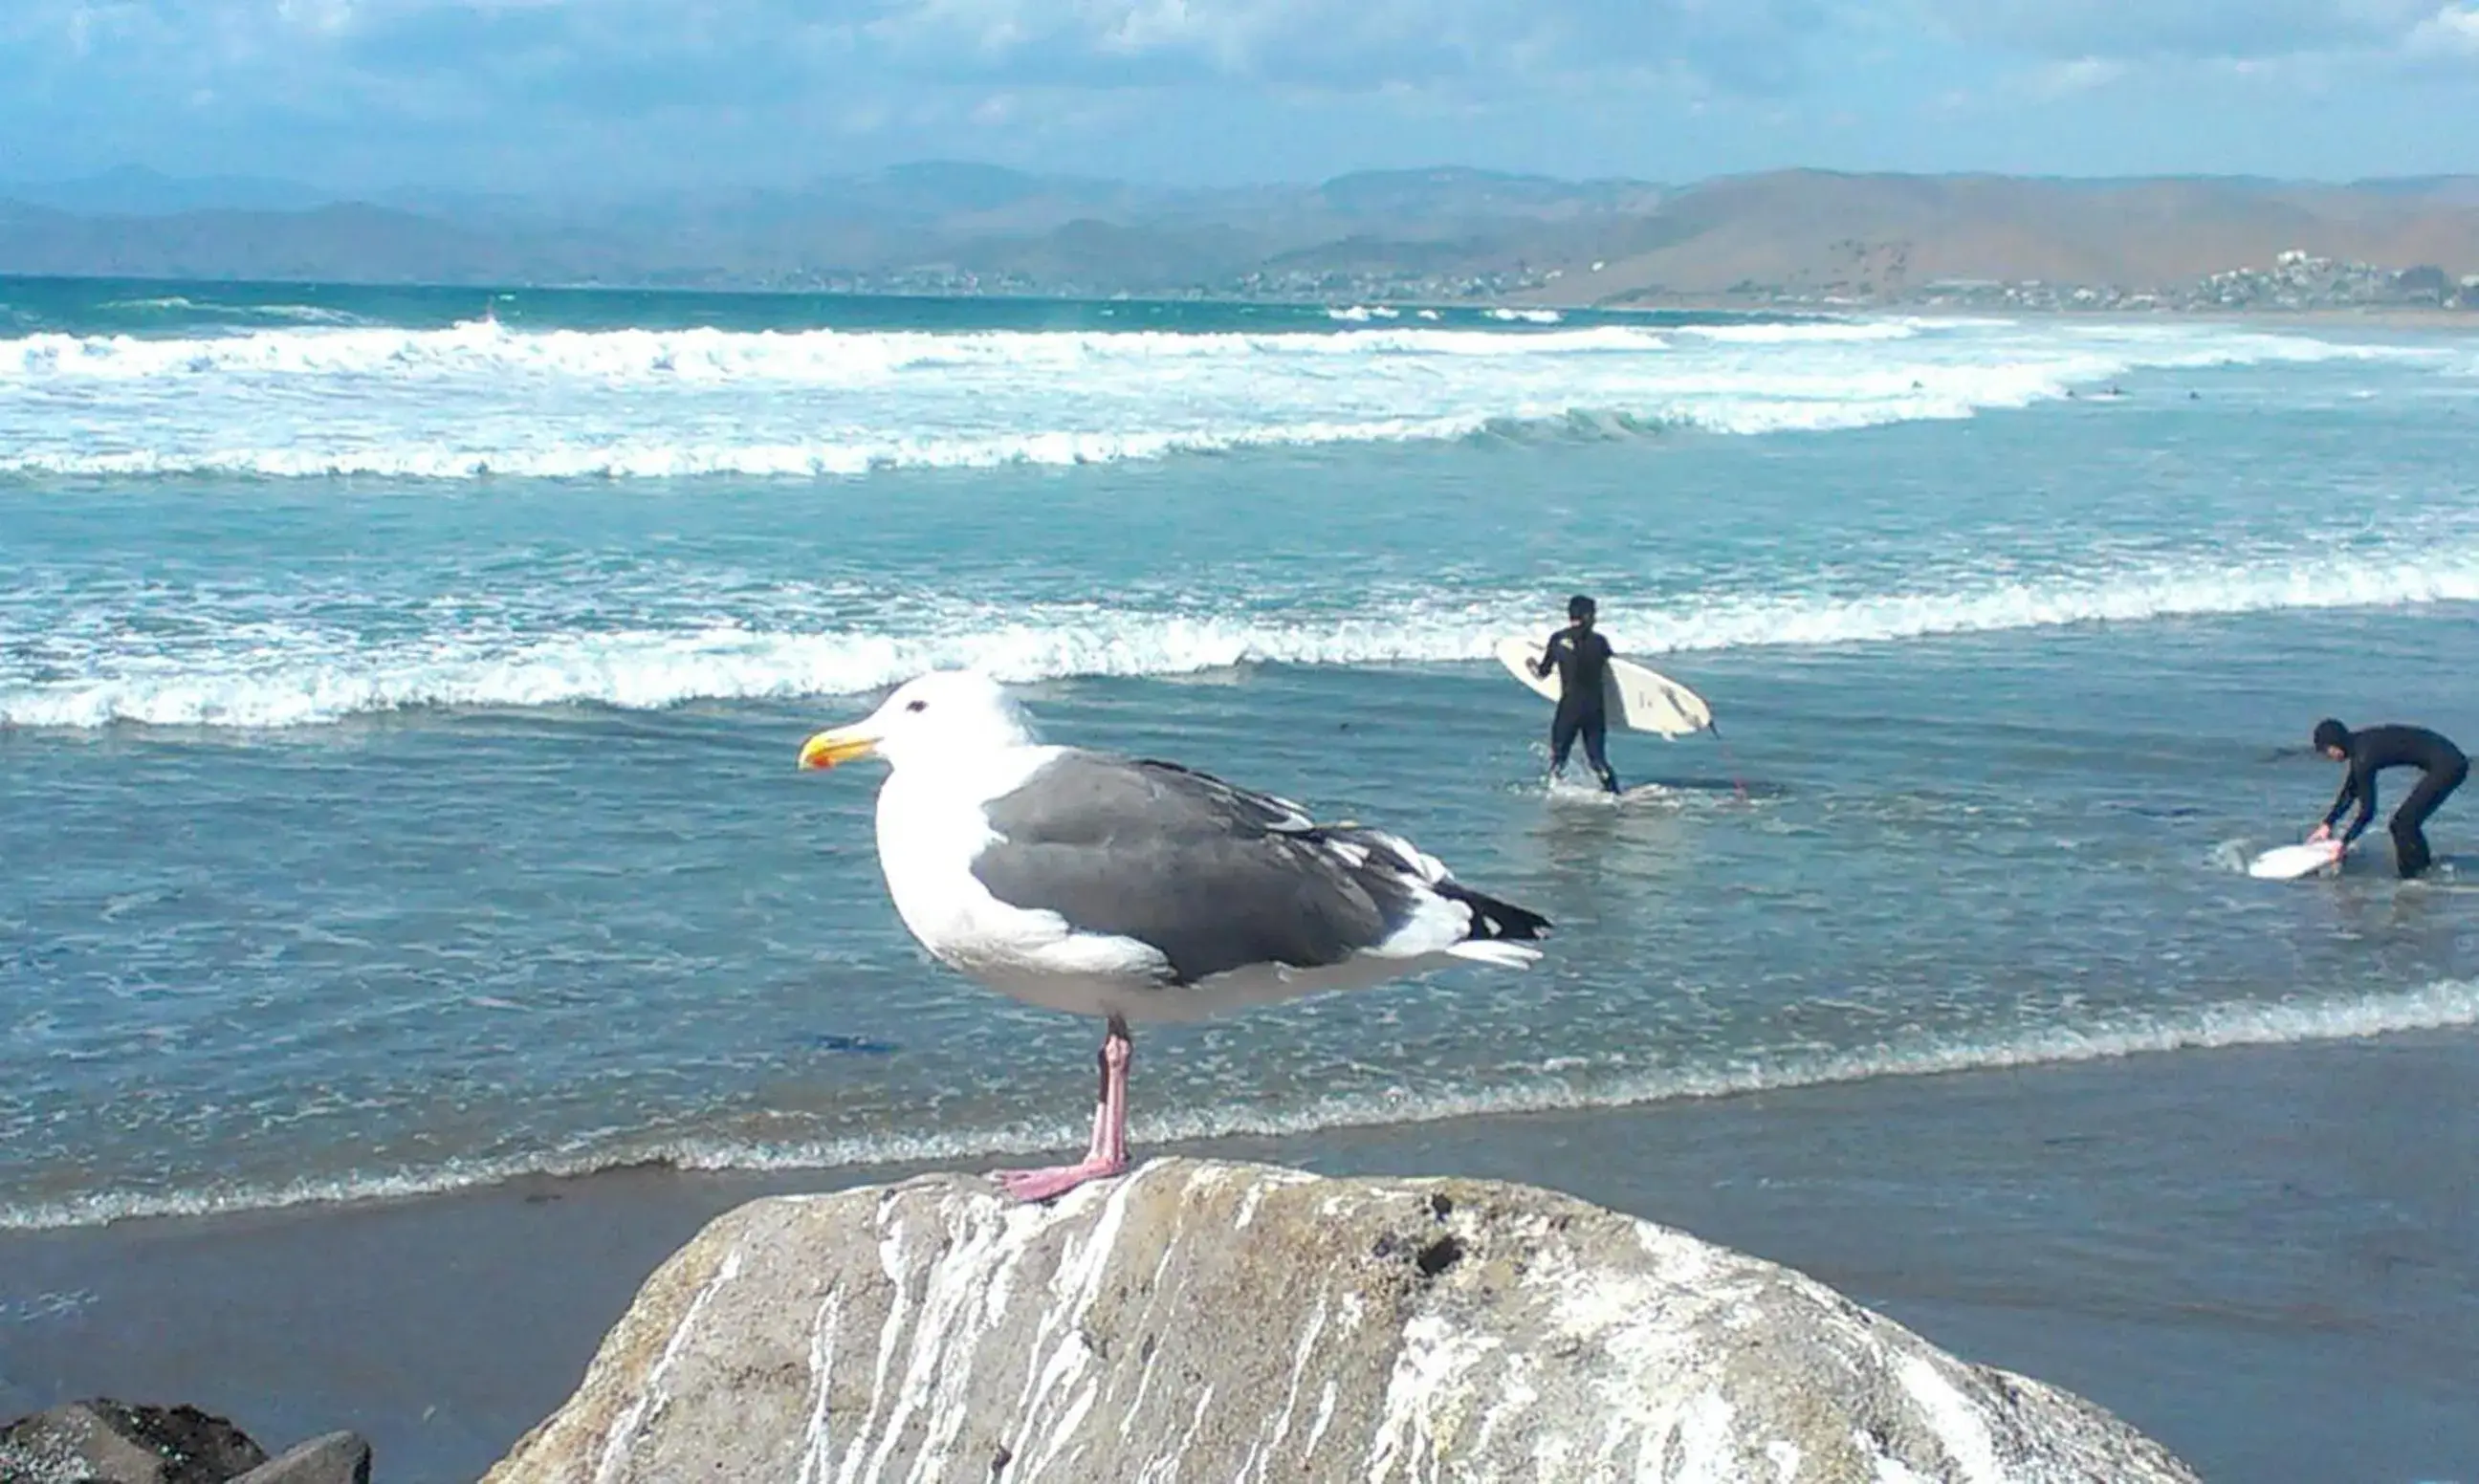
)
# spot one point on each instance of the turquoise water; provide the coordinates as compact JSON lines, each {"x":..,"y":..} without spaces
{"x":399,"y":694}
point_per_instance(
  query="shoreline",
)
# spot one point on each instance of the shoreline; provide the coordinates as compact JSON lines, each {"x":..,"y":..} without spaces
{"x":2387,"y":317}
{"x":2065,"y":1241}
{"x":2439,"y":1009}
{"x":2393,"y":318}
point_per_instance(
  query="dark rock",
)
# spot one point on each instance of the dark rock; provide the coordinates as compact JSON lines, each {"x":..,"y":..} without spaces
{"x":337,"y":1458}
{"x":107,"y":1442}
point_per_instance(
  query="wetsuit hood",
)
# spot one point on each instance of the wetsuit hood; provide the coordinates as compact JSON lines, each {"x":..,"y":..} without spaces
{"x":2330,"y":732}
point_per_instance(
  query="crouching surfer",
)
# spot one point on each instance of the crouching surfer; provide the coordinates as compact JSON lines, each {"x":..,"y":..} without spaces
{"x":2367,"y":753}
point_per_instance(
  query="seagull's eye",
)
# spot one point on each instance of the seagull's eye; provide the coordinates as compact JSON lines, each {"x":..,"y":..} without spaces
{"x":918,"y":706}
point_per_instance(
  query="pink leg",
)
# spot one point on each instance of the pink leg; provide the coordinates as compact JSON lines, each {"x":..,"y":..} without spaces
{"x":1108,"y":1154}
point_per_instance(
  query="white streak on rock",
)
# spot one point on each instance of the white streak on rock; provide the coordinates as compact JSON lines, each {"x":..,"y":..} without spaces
{"x":817,"y":1446}
{"x":1254,"y":1195}
{"x":1965,"y":1436}
{"x":958,"y":1319}
{"x":1893,"y":1470}
{"x":1261,"y":1454}
{"x":1515,"y":1394}
{"x":985,"y":1245}
{"x":652,"y":1397}
{"x":1073,"y":1289}
{"x":1159,"y":1298}
{"x":1704,"y":1437}
{"x":1785,"y":1456}
{"x":891,"y":1262}
{"x":1422,"y":1401}
{"x":1063,"y":1431}
{"x":1165,"y":1466}
{"x":1324,"y":1419}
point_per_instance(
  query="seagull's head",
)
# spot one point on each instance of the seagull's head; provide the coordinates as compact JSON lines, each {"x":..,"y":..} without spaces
{"x":939,"y":719}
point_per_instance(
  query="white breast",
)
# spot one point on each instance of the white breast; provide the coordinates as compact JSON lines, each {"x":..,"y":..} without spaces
{"x":927,"y":837}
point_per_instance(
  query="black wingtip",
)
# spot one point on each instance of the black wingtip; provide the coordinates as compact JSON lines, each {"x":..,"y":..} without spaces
{"x":1494,"y":919}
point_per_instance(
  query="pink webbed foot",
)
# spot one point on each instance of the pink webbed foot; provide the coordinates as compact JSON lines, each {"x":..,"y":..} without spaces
{"x":1108,"y":1154}
{"x":1041,"y":1184}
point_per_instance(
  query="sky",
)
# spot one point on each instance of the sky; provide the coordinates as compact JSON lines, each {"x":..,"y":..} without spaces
{"x":614,"y":96}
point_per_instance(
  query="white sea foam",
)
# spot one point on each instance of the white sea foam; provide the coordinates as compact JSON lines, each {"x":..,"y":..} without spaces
{"x":621,"y":457}
{"x":1809,"y":333}
{"x":300,"y":313}
{"x":167,"y":301}
{"x":264,"y":671}
{"x":2446,"y":1005}
{"x":483,"y":398}
{"x":803,"y":357}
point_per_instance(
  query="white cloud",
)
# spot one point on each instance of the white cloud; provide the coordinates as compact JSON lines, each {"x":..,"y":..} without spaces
{"x":620,"y":57}
{"x":319,"y":18}
{"x":2063,"y":79}
{"x":702,"y":88}
{"x":2070,"y":30}
{"x":2451,"y":33}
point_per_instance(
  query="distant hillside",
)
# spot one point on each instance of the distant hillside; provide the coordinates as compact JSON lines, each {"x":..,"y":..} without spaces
{"x":1787,"y":236}
{"x":346,"y":242}
{"x":1893,"y":236}
{"x":140,"y":193}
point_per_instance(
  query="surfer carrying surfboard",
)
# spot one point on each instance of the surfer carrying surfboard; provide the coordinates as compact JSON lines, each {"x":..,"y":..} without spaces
{"x":2367,"y":753}
{"x":1581,"y":656}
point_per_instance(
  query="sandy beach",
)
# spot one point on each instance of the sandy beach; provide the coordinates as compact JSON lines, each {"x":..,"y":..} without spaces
{"x":2054,"y":1243}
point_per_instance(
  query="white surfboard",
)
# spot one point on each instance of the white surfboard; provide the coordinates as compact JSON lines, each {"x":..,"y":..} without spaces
{"x":1642,"y":700}
{"x":2288,"y":863}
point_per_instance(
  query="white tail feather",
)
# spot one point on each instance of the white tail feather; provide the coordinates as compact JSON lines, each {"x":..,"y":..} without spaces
{"x":1497,"y":952}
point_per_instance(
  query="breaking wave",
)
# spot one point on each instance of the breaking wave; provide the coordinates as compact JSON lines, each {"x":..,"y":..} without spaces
{"x":268,"y":675}
{"x":481,"y":398}
{"x":807,"y":357}
{"x":621,"y":458}
{"x":181,"y":304}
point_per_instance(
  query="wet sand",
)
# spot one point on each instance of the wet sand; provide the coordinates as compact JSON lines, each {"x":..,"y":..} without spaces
{"x":2268,"y":1258}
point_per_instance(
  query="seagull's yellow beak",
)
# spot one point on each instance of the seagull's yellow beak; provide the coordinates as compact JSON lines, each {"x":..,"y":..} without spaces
{"x":842,"y":744}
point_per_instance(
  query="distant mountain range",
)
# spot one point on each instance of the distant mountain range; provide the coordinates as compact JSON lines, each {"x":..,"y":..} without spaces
{"x":1445,"y":233}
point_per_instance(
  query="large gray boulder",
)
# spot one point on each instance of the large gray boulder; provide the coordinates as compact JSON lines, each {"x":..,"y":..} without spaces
{"x":1212,"y":1321}
{"x":330,"y":1458}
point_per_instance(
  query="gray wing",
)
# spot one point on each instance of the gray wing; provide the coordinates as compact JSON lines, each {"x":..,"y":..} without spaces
{"x":1215,"y":877}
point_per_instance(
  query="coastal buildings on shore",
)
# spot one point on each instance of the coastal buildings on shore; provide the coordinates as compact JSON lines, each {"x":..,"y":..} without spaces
{"x":2296,"y":281}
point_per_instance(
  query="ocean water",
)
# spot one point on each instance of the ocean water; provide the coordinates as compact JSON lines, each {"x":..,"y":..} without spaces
{"x":399,"y":692}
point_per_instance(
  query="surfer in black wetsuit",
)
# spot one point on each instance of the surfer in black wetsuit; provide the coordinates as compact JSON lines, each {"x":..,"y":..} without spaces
{"x":1582,"y":659}
{"x":2440,"y":765}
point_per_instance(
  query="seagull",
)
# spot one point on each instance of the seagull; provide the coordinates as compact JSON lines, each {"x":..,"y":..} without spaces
{"x":1133,"y":889}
